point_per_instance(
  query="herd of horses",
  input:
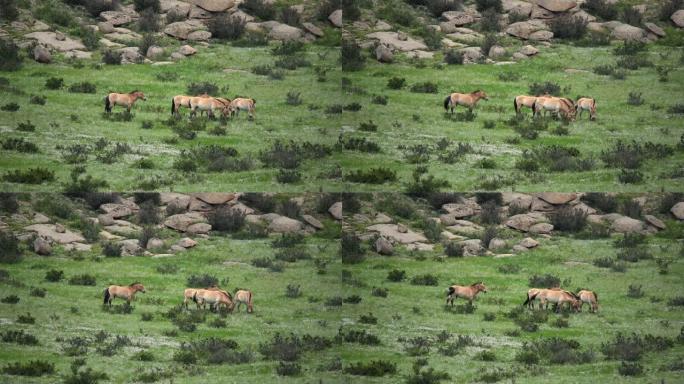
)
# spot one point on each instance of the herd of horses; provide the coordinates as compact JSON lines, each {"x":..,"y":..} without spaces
{"x":214,"y":296}
{"x":202,"y":103}
{"x":556,"y":296}
{"x":217,"y":297}
{"x":559,"y":106}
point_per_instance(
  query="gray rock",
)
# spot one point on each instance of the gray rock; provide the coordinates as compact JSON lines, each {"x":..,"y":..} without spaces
{"x":627,"y":224}
{"x":678,"y":210}
{"x":213,"y":5}
{"x":198,"y":228}
{"x":182,"y":221}
{"x":336,"y":210}
{"x":628,"y":32}
{"x":50,"y":39}
{"x":215,"y":198}
{"x":155,"y":243}
{"x":199,"y":36}
{"x":187,"y":50}
{"x":284,"y":32}
{"x":284,"y":224}
{"x":39,"y":218}
{"x":181,"y":29}
{"x":472,"y":247}
{"x":105,"y":27}
{"x":524,"y":221}
{"x":130,"y":247}
{"x":496,"y":52}
{"x":154,"y":52}
{"x":557,"y":5}
{"x":336,"y":18}
{"x":42,"y":54}
{"x":312,"y":221}
{"x":186,"y":242}
{"x":557,"y":198}
{"x":678,"y":18}
{"x":42,"y":247}
{"x":392,"y":40}
{"x":391,"y":231}
{"x":116,"y":18}
{"x":312,"y":29}
{"x":654,"y":221}
{"x":49,"y":231}
{"x":541,"y":228}
{"x":105,"y":220}
{"x":496,"y":244}
{"x":384,"y":246}
{"x":523,"y":29}
{"x":529,"y":242}
{"x":383,"y":54}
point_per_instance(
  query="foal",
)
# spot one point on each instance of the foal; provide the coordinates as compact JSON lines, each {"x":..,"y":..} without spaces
{"x":126,"y":292}
{"x":468,"y":100}
{"x":586,"y":104}
{"x":466,"y":292}
{"x":123,"y":99}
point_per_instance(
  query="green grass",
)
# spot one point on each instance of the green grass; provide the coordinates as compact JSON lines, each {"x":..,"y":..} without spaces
{"x":616,"y":120}
{"x":222,"y":64}
{"x":565,"y":257}
{"x":222,"y":257}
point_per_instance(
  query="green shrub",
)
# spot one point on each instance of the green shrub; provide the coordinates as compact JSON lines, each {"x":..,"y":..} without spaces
{"x":374,"y":368}
{"x":141,"y":5}
{"x":29,"y":176}
{"x":452,"y":57}
{"x":54,"y":275}
{"x":226,"y":26}
{"x":426,"y":279}
{"x":396,"y":83}
{"x":601,"y":8}
{"x":396,"y":275}
{"x":9,"y":56}
{"x":9,"y":248}
{"x":264,"y":10}
{"x":31,"y":368}
{"x":351,"y":56}
{"x":83,"y":87}
{"x":8,"y":10}
{"x":569,"y":27}
{"x":424,"y":87}
{"x":19,"y":144}
{"x":83,"y":279}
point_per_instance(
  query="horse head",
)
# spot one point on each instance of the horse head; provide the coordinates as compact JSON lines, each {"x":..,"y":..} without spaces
{"x":480,"y":287}
{"x":138,"y":287}
{"x":481,"y":94}
{"x":139,"y":95}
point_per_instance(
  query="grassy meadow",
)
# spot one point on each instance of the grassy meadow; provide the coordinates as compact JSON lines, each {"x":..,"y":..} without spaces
{"x":418,"y":120}
{"x":486,"y":343}
{"x":74,"y":312}
{"x":67,"y":119}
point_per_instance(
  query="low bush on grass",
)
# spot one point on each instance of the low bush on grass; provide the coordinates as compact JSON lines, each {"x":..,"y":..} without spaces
{"x":9,"y":248}
{"x":425,"y":279}
{"x":32,"y":368}
{"x":374,"y":368}
{"x":82,"y":87}
{"x":29,"y":176}
{"x":424,"y":87}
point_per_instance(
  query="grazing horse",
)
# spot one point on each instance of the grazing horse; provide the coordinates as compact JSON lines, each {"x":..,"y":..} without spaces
{"x":179,"y":101}
{"x":126,"y":292}
{"x":123,"y":99}
{"x":240,"y":103}
{"x":468,"y":100}
{"x":531,"y":295}
{"x":525,"y":101}
{"x":209,"y":104}
{"x":559,"y":106}
{"x":589,"y":297}
{"x":466,"y":292}
{"x":559,"y":297}
{"x":586,"y":104}
{"x":214,"y":296}
{"x":189,"y":294}
{"x":243,"y":296}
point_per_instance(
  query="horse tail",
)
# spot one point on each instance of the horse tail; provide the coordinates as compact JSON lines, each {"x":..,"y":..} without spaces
{"x":254,"y":101}
{"x":446,"y":103}
{"x":451,"y":291}
{"x":106,"y":295}
{"x":596,"y":297}
{"x":108,"y":106}
{"x":194,"y":297}
{"x":173,"y":105}
{"x":529,"y":298}
{"x":249,"y":298}
{"x":515,"y":105}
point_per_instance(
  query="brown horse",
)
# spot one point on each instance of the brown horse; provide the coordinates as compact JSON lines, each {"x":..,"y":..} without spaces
{"x":531,"y":295}
{"x":214,"y":296}
{"x":189,"y":295}
{"x":126,"y":292}
{"x":525,"y":101}
{"x":589,"y":297}
{"x":123,"y":99}
{"x":243,"y":296}
{"x":179,"y":101}
{"x":559,"y":106}
{"x":586,"y":104}
{"x":209,"y":104}
{"x":468,"y":100}
{"x":466,"y":292}
{"x":243,"y":104}
{"x":558,"y":297}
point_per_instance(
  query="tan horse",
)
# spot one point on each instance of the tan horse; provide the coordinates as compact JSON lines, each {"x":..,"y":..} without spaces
{"x":243,"y":296}
{"x":468,"y":100}
{"x":126,"y":292}
{"x":123,"y":99}
{"x":559,"y":297}
{"x":243,"y":104}
{"x":531,"y":295}
{"x":559,"y":106}
{"x":468,"y":292}
{"x":188,"y":295}
{"x":214,"y":296}
{"x":586,"y":104}
{"x":179,"y":101}
{"x":589,"y":297}
{"x":525,"y":101}
{"x":209,"y":104}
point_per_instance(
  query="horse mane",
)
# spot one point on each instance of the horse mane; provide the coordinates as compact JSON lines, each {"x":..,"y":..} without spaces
{"x":135,"y":283}
{"x":474,"y":284}
{"x":133,"y":91}
{"x":476,"y":91}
